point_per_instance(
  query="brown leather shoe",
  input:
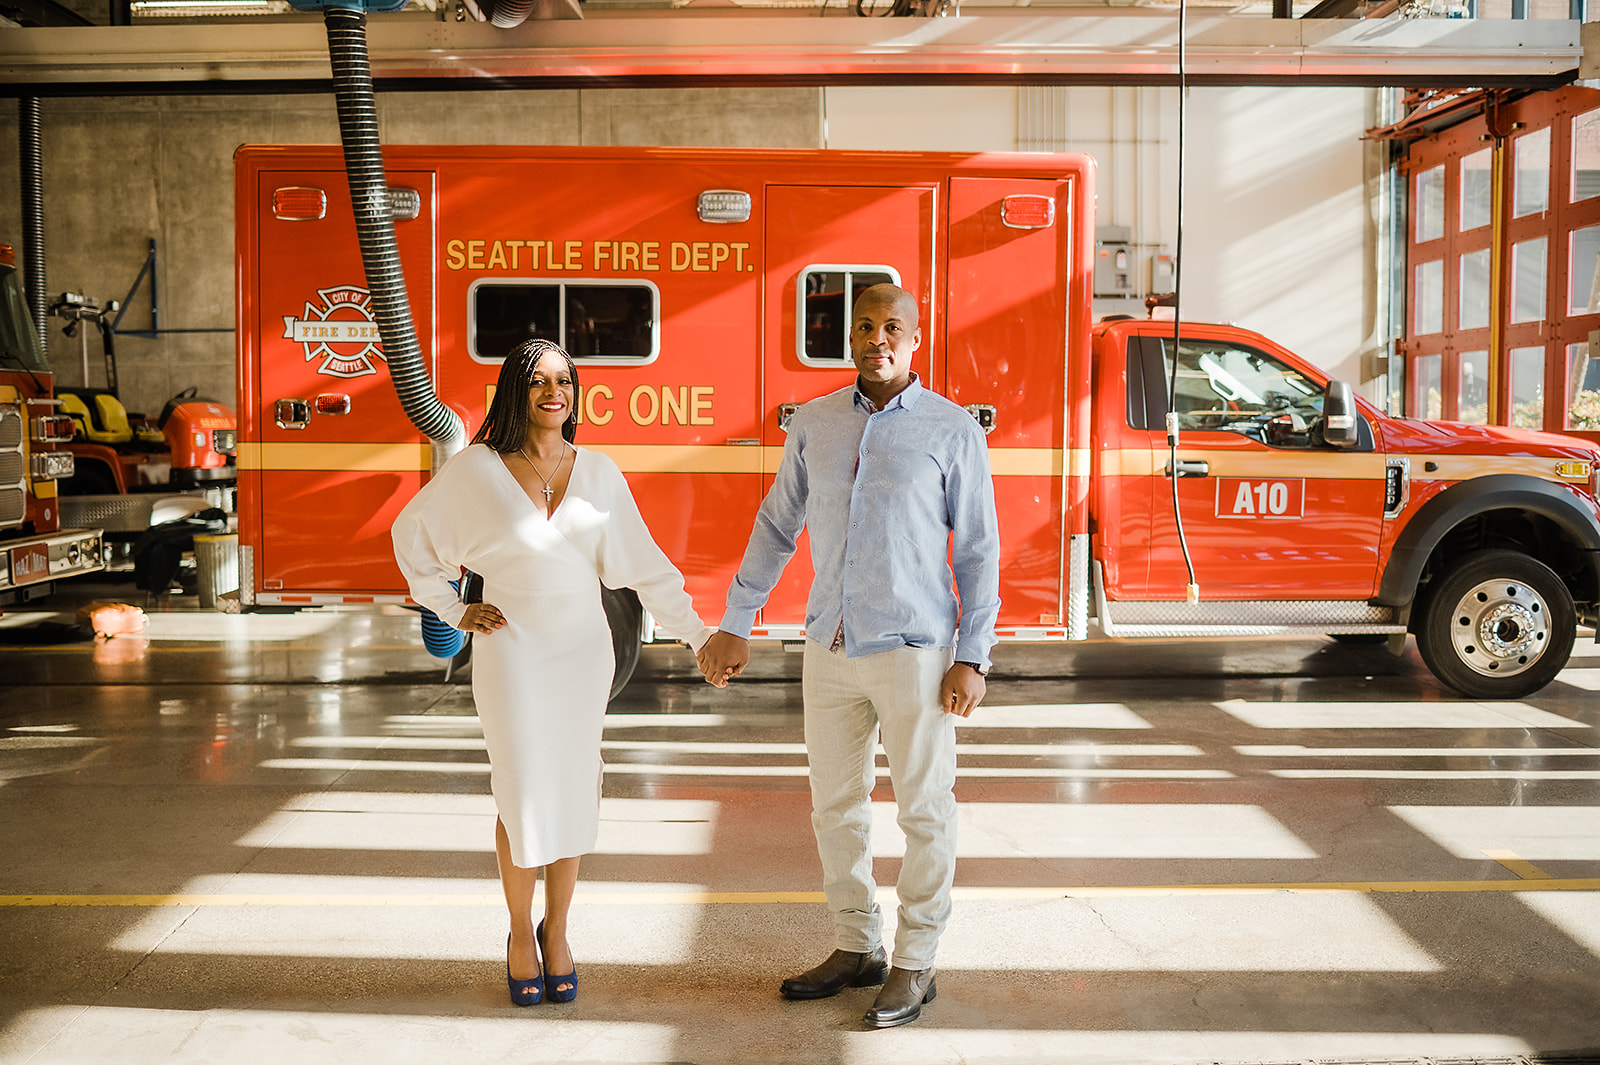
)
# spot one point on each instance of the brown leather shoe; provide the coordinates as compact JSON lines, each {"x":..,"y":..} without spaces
{"x":842,"y":969}
{"x":902,"y":997}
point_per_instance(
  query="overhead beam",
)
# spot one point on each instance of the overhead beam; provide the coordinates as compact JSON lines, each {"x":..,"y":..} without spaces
{"x":42,"y":13}
{"x":679,"y":48}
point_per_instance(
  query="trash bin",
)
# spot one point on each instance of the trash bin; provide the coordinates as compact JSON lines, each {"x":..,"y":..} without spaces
{"x":216,"y":558}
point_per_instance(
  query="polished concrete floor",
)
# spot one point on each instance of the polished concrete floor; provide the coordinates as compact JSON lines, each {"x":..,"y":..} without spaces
{"x":268,"y":839}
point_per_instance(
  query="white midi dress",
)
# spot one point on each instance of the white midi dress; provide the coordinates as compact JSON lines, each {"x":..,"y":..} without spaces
{"x":541,"y":681}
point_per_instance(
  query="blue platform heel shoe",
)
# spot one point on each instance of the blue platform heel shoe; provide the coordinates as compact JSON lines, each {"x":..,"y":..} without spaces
{"x":557,"y":992}
{"x":523,"y":992}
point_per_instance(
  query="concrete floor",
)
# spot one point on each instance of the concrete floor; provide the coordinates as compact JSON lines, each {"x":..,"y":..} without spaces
{"x":268,"y":839}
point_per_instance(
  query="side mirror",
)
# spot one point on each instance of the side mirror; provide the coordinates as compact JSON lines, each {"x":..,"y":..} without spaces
{"x":1340,"y":421}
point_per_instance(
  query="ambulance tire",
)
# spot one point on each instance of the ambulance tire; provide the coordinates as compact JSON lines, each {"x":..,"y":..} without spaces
{"x":1498,"y":625}
{"x":625,"y":614}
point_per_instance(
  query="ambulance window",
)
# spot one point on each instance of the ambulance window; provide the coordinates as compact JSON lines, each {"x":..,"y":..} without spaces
{"x":597,"y":322}
{"x":827,"y":294}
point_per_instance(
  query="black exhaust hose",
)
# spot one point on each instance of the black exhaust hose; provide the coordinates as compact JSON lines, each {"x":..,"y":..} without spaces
{"x":31,"y":165}
{"x":509,"y":13}
{"x":380,"y":256}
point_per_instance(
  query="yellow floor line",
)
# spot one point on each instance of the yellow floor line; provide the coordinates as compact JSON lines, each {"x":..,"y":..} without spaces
{"x":1525,"y":869}
{"x":784,"y":898}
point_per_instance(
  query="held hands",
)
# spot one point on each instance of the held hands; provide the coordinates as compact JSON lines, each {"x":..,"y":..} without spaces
{"x":961,"y":690}
{"x":723,"y":657}
{"x":481,"y":617}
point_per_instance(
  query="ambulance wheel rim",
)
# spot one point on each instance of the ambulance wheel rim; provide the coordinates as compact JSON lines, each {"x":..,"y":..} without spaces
{"x":1501,"y":628}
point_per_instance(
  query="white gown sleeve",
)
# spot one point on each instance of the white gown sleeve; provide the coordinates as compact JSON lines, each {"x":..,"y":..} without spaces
{"x":630,"y":558}
{"x":418,"y":534}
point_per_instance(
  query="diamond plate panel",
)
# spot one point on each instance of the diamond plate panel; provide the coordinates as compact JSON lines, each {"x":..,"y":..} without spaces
{"x":1268,"y":613}
{"x":1078,"y":588}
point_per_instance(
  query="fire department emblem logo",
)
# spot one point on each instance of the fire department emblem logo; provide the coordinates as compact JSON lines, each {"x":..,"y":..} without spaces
{"x":341,"y":332}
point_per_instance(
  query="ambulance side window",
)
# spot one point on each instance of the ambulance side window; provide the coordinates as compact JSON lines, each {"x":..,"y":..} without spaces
{"x":826,"y":295}
{"x":596,"y":321}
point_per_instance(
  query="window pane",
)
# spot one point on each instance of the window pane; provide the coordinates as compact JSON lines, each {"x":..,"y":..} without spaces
{"x":1430,"y":204}
{"x":1242,"y":390}
{"x":1583,"y":388}
{"x":503,"y":316}
{"x":602,"y":321}
{"x":1586,"y":156}
{"x":1475,"y":189}
{"x":1527,"y":388}
{"x":827,"y":318}
{"x":1527,"y":280}
{"x":1472,"y":399}
{"x":16,"y":338}
{"x":1533,"y":173}
{"x":610,"y":321}
{"x":1430,"y":297}
{"x":1583,"y":299}
{"x":1427,"y":399}
{"x":1475,"y":290}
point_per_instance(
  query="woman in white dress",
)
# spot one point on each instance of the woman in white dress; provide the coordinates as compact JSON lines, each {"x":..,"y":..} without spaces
{"x":544,"y":523}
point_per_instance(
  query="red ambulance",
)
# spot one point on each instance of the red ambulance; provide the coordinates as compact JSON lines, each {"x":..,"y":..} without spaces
{"x":705,"y":293}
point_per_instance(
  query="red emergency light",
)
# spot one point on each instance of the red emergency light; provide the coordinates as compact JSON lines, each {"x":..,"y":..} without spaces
{"x":1028,"y":212}
{"x":299,"y":204}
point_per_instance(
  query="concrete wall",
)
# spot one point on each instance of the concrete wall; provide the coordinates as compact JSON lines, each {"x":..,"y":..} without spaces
{"x":118,"y":172}
{"x":1279,"y":225}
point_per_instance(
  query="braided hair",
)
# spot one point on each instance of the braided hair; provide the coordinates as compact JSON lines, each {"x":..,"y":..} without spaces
{"x":505,"y":428}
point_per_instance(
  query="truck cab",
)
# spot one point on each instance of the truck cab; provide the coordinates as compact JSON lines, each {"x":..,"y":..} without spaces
{"x":1480,"y":540}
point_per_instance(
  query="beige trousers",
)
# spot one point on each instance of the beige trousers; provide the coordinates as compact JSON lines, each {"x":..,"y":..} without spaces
{"x":849,"y":703}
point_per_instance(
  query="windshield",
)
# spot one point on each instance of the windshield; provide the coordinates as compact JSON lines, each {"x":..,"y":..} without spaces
{"x":19,"y":345}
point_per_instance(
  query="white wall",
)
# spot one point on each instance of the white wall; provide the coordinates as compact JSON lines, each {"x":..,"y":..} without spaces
{"x":1279,"y":225}
{"x":1278,"y":229}
{"x":977,"y":119}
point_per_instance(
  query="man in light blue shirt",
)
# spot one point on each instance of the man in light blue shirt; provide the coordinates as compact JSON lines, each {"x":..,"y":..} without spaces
{"x":893,"y":483}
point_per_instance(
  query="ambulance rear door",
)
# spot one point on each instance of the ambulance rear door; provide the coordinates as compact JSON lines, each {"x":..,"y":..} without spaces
{"x":825,"y":244}
{"x":335,"y":456}
{"x":1006,"y":354}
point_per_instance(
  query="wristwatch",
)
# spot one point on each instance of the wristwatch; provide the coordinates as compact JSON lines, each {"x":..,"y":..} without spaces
{"x":982,"y":671}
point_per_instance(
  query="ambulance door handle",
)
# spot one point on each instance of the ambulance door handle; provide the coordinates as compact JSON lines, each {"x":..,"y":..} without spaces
{"x":785,"y":412}
{"x":291,"y":413}
{"x":1190,"y":468}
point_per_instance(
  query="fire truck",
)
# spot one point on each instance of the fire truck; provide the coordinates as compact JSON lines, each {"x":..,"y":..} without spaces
{"x":705,"y":294}
{"x":35,"y":551}
{"x":132,"y":474}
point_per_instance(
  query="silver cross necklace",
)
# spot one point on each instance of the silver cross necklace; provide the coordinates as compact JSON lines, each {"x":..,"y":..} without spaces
{"x":549,"y":491}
